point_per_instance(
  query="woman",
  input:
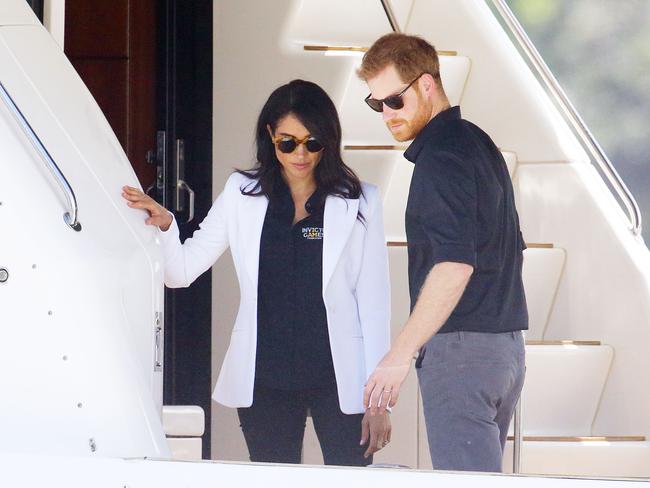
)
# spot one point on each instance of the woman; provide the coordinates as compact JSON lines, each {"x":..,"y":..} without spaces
{"x":308,"y":245}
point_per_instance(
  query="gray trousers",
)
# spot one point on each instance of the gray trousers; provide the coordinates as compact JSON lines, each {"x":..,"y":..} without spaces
{"x":470,"y":383}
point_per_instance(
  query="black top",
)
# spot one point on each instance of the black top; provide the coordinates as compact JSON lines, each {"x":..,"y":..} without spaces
{"x":293,"y":349}
{"x":461,"y":209}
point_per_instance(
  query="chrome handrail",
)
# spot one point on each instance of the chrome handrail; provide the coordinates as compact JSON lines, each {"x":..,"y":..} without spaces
{"x":71,"y":217}
{"x":572,"y":115}
{"x":392,"y":20}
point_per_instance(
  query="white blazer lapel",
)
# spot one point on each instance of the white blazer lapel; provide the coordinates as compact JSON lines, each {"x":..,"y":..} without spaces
{"x":338,"y":219}
{"x":253,"y":211}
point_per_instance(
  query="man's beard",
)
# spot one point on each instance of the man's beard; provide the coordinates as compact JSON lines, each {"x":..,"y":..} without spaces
{"x":412,"y":128}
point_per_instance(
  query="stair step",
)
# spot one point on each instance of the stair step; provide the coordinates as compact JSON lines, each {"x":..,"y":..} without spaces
{"x":620,"y":438}
{"x":510,"y":158}
{"x":565,"y":342}
{"x":374,"y":148}
{"x":542,"y":272}
{"x":564,"y":383}
{"x":615,"y":456}
{"x":376,"y":167}
{"x":528,"y":245}
{"x":357,"y":49}
{"x":533,"y":245}
{"x":183,"y":420}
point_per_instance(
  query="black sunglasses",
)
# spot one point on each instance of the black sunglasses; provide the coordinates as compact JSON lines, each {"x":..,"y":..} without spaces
{"x":392,"y":101}
{"x":288,"y":144}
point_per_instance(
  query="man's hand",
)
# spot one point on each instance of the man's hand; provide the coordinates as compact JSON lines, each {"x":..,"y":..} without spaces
{"x":377,"y":429}
{"x":382,"y":388}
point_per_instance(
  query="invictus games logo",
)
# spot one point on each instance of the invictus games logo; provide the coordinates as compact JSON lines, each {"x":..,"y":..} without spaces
{"x":312,"y":232}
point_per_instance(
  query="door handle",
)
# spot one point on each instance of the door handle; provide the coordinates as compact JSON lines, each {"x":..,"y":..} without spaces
{"x":181,"y":184}
{"x":158,"y":159}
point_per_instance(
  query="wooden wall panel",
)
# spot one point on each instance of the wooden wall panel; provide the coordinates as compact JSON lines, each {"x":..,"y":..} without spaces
{"x":98,"y":28}
{"x":112,"y":44}
{"x":107,"y":80}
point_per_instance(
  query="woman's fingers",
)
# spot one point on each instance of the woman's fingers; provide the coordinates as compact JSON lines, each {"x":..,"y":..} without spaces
{"x":137,"y":199}
{"x":365,"y":429}
{"x":379,"y":432}
{"x":372,"y":445}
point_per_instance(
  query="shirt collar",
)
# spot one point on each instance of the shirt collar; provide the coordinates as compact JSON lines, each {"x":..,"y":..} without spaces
{"x":452,"y":113}
{"x":282,"y":201}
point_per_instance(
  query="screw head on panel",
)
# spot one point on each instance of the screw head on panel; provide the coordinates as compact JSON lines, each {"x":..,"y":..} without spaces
{"x":4,"y":275}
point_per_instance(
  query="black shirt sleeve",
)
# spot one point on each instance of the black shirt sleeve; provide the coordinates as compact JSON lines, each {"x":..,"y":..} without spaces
{"x":448,"y":210}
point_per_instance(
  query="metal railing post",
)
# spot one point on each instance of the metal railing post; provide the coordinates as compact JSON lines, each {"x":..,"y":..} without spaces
{"x":516,"y":449}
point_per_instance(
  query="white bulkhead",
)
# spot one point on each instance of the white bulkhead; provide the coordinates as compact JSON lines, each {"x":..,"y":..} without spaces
{"x":79,"y":309}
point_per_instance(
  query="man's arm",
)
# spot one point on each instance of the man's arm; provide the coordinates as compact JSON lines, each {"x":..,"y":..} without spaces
{"x":443,"y":288}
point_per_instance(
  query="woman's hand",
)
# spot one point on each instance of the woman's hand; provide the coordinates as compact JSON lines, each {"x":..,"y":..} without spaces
{"x":377,"y":429}
{"x":158,"y":215}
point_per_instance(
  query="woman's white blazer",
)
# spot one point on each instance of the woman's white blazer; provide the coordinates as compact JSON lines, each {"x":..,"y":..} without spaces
{"x":355,"y":285}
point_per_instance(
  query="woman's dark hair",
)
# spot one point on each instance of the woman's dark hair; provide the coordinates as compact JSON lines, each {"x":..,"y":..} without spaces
{"x":309,"y":103}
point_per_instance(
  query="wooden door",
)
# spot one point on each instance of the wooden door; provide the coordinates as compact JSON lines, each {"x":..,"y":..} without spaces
{"x":148,"y":63}
{"x":112,"y":45}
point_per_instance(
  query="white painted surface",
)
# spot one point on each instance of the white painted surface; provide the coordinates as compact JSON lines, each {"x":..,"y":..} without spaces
{"x":78,"y":311}
{"x":604,"y":293}
{"x":185,"y":448}
{"x":375,"y":167}
{"x":341,"y":23}
{"x":183,"y":420}
{"x":615,"y":459}
{"x":54,"y":19}
{"x":542,"y":272}
{"x":562,"y":388}
{"x":511,"y":162}
{"x":395,"y":202}
{"x":67,"y":472}
{"x":17,"y":13}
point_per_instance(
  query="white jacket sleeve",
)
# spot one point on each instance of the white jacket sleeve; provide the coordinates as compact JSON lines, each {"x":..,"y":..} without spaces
{"x":186,"y":262}
{"x":373,"y":285}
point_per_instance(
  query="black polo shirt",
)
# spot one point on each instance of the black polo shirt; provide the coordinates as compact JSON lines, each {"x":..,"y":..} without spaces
{"x":293,"y":349}
{"x":461,"y":209}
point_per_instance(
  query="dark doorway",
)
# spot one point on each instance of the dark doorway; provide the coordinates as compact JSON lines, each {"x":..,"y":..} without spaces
{"x":148,"y":63}
{"x":37,"y":7}
{"x":185,"y":95}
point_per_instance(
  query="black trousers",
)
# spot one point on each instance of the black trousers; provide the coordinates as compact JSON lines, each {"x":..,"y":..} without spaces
{"x":274,"y":427}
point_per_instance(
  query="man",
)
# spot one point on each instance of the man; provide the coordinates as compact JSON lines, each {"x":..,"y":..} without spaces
{"x":465,"y":256}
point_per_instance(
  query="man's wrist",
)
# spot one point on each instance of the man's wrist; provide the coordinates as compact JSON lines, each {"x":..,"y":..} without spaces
{"x":403,"y":354}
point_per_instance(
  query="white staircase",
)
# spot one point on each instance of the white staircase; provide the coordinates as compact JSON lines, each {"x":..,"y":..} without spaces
{"x":582,"y":366}
{"x":565,"y":379}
